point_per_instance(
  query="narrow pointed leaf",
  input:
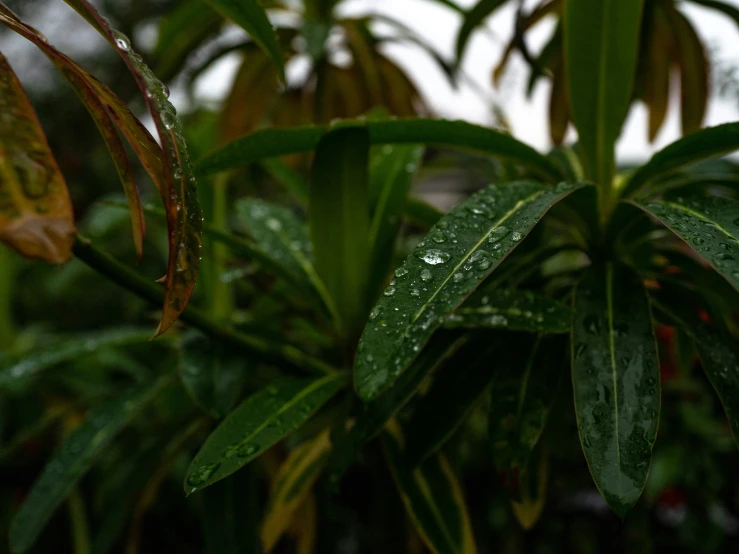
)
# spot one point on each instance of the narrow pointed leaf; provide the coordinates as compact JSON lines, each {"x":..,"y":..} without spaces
{"x":448,"y":134}
{"x":718,"y":358}
{"x":524,"y":390}
{"x":448,"y":348}
{"x":432,"y":497}
{"x":391,"y":176}
{"x":259,"y":422}
{"x":74,"y":459}
{"x":17,"y":371}
{"x":711,"y":142}
{"x":250,"y":16}
{"x":473,"y":18}
{"x":211,"y":376}
{"x":516,"y":310}
{"x":657,"y":72}
{"x":35,"y":210}
{"x":338,"y":221}
{"x":291,"y":486}
{"x":709,"y":225}
{"x":281,"y":236}
{"x":456,"y":256}
{"x":601,"y":46}
{"x":615,"y":375}
{"x":533,"y":480}
{"x":179,"y":193}
{"x":454,"y":394}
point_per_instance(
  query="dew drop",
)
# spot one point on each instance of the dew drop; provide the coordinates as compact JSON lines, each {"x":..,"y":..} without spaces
{"x":122,"y":41}
{"x":248,"y":449}
{"x":426,"y":275}
{"x":389,"y":291}
{"x":439,"y":236}
{"x":516,"y":236}
{"x":433,"y":256}
{"x":168,"y":120}
{"x":202,"y":474}
{"x":498,"y":234}
{"x":401,"y":272}
{"x":273,"y":224}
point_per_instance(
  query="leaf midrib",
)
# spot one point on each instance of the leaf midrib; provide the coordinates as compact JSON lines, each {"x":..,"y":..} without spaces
{"x":614,"y":376}
{"x":698,"y":215}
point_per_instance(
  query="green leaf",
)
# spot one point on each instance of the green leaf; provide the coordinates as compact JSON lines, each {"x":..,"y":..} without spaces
{"x":36,"y":217}
{"x":473,"y":18}
{"x":211,"y":376}
{"x":615,"y":375}
{"x":601,"y":46}
{"x":251,"y":17}
{"x":446,"y":348}
{"x":455,"y":257}
{"x":291,"y":486}
{"x":718,"y":357}
{"x":338,"y":221}
{"x":709,"y":225}
{"x":288,"y":178}
{"x":259,"y":422}
{"x":533,"y":488}
{"x":283,"y":238}
{"x":432,"y":497}
{"x":707,"y":143}
{"x":391,"y":176}
{"x":74,"y":459}
{"x":454,"y":394}
{"x":269,"y":143}
{"x":523,"y":393}
{"x":515,"y":310}
{"x":16,"y":372}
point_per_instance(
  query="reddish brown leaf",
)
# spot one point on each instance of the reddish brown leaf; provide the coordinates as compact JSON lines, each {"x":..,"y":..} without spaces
{"x":35,"y":210}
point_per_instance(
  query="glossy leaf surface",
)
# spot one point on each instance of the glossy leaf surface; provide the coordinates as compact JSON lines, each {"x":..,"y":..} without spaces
{"x":516,"y":310}
{"x":432,"y":497}
{"x":259,"y":422}
{"x":458,"y":253}
{"x":448,"y":134}
{"x":281,"y":236}
{"x":528,"y":374}
{"x":615,"y":375}
{"x":74,"y":459}
{"x":250,"y":15}
{"x":291,"y":486}
{"x":338,"y":222}
{"x":709,"y":225}
{"x":601,"y":46}
{"x":35,"y":210}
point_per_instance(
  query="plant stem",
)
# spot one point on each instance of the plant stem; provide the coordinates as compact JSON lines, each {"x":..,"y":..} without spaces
{"x":221,"y":295}
{"x":7,"y":273}
{"x":78,"y":519}
{"x":132,"y":281}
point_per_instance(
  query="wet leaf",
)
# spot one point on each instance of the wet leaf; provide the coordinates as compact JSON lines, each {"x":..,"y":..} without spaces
{"x":459,"y":252}
{"x":269,"y":143}
{"x":704,"y":144}
{"x":446,"y":348}
{"x":250,"y":16}
{"x":718,"y":357}
{"x":74,"y":459}
{"x":35,"y":210}
{"x":179,"y":189}
{"x":432,"y":497}
{"x":282,"y":237}
{"x":456,"y":388}
{"x":17,"y":372}
{"x":515,"y":310}
{"x":601,"y":47}
{"x":338,"y":222}
{"x":709,"y":225}
{"x":259,"y":422}
{"x":210,"y":374}
{"x":291,"y":487}
{"x":615,"y":375}
{"x":528,"y":374}
{"x":391,"y":176}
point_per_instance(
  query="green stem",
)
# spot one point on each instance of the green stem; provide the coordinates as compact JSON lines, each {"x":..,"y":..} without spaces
{"x":222,"y":297}
{"x":7,"y":273}
{"x":78,"y":519}
{"x":132,"y":281}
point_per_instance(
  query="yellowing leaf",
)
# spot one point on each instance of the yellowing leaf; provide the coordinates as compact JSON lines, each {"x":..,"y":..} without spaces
{"x":291,"y":488}
{"x":35,"y":210}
